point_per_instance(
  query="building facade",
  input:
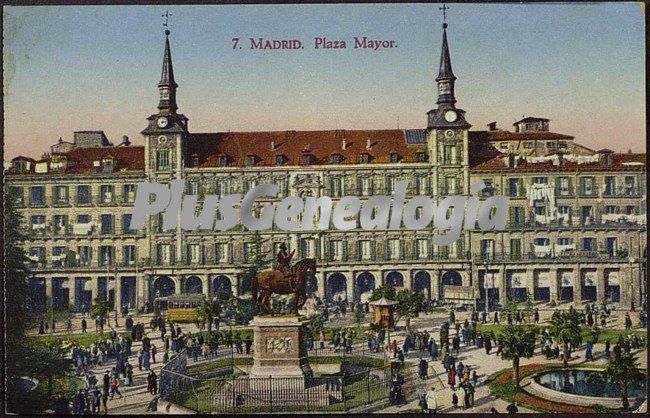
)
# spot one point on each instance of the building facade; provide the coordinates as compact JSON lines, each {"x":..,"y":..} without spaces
{"x":576,"y":229}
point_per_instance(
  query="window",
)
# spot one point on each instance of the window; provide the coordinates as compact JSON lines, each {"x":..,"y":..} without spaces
{"x":421,"y":185}
{"x":17,"y":194}
{"x":611,"y":210}
{"x":194,"y":160}
{"x":250,"y":251}
{"x":336,"y":158}
{"x":84,"y":255}
{"x":451,"y":185}
{"x":164,"y":252}
{"x":249,"y":160}
{"x":390,"y":184}
{"x":37,"y":196}
{"x":422,"y":248}
{"x":364,"y":250}
{"x":630,"y":210}
{"x":516,"y":215}
{"x":106,"y":192}
{"x":107,"y":165}
{"x":365,"y":186}
{"x":610,"y":185}
{"x":283,"y":186}
{"x":308,"y":247}
{"x":128,"y":252}
{"x":336,"y":186}
{"x":611,"y":244}
{"x":589,"y":244}
{"x":194,"y":253}
{"x":222,"y":252}
{"x":249,"y":184}
{"x":393,"y":249}
{"x":587,"y":215}
{"x":37,"y":223}
{"x":364,"y":158}
{"x":551,"y":144}
{"x":449,"y":154}
{"x":515,"y":248}
{"x":588,"y":186}
{"x":61,"y":195}
{"x":107,"y":224}
{"x":36,"y":254}
{"x":222,"y":160}
{"x":393,"y":158}
{"x":565,"y":241}
{"x":503,"y":146}
{"x":83,"y":195}
{"x":279,"y":159}
{"x":563,"y":186}
{"x":528,"y":144}
{"x":307,"y":158}
{"x":336,"y":251}
{"x":487,"y":249}
{"x":163,"y":161}
{"x":193,"y":187}
{"x":514,"y":187}
{"x":60,"y":224}
{"x":128,"y":193}
{"x":126,"y":224}
{"x":630,"y":186}
{"x":222,"y":186}
{"x":540,"y":180}
{"x":106,"y":253}
{"x":421,"y":157}
{"x":83,"y":219}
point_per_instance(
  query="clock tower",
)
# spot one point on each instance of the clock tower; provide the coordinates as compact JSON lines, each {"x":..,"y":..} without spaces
{"x":166,"y":131}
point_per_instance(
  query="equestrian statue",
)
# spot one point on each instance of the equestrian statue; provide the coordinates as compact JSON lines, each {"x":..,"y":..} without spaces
{"x":283,"y":280}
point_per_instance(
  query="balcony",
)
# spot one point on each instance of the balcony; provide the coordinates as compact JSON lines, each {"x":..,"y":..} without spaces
{"x":623,"y":192}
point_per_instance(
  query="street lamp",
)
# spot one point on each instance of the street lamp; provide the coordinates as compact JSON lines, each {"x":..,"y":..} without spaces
{"x":485,"y":277}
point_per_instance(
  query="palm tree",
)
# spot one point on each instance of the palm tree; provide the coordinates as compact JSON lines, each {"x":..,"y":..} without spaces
{"x":517,"y":341}
{"x":566,"y":328}
{"x":100,"y":309}
{"x":621,"y":367}
{"x":210,"y":310}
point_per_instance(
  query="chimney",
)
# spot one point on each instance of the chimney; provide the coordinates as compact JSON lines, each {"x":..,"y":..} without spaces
{"x":125,"y":141}
{"x":512,"y":161}
{"x":368,"y":144}
{"x":344,"y":144}
{"x":492,"y":126}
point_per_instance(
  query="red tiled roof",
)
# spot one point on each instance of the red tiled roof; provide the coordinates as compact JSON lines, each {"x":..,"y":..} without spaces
{"x":290,"y":144}
{"x":20,"y":157}
{"x":618,"y":163}
{"x":80,"y":160}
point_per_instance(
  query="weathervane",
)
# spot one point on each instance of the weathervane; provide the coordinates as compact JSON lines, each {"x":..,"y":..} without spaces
{"x":444,"y":9}
{"x":166,"y":24}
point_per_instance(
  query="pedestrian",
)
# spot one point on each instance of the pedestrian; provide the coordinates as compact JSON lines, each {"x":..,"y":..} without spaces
{"x":454,"y":399}
{"x":80,"y":403}
{"x":321,"y":340}
{"x":140,"y":358}
{"x":488,"y":344}
{"x":431,"y":401}
{"x":451,"y":377}
{"x":154,"y":383}
{"x":68,"y":328}
{"x":465,"y":395}
{"x":106,"y":381}
{"x":536,"y":316}
{"x":589,"y":356}
{"x":496,"y":317}
{"x":607,"y":346}
{"x":105,"y":402}
{"x":456,"y":344}
{"x":154,"y":351}
{"x":433,"y":349}
{"x":129,"y":374}
{"x":248,"y":342}
{"x":400,"y":355}
{"x":422,"y":369}
{"x":628,"y":322}
{"x":115,"y":387}
{"x":474,"y":377}
{"x":471,"y":390}
{"x":512,"y":408}
{"x":96,"y":400}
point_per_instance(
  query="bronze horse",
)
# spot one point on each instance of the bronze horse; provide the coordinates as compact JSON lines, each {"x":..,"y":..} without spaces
{"x":269,"y":282}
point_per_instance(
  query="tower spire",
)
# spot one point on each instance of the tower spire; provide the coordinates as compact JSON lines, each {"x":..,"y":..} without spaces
{"x":167,"y":85}
{"x":446,"y":77}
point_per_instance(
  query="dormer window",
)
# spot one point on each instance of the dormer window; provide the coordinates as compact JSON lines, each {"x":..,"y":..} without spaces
{"x":222,"y":160}
{"x":195,"y":160}
{"x":421,"y":157}
{"x":249,"y":161}
{"x":336,"y":158}
{"x":279,"y":159}
{"x":393,"y":157}
{"x":107,"y":164}
{"x":364,"y":158}
{"x":307,"y":158}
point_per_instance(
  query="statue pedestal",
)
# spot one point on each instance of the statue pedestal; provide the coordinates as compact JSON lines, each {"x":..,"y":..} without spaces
{"x":279,"y":347}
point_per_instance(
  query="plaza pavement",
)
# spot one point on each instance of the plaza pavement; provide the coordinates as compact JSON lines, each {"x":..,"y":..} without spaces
{"x":136,"y":398}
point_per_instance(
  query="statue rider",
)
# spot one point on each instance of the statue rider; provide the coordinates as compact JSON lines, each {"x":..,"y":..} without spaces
{"x":283,"y":262}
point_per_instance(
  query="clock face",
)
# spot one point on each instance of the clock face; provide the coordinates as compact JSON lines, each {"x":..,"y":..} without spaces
{"x":162,"y":122}
{"x":451,"y":116}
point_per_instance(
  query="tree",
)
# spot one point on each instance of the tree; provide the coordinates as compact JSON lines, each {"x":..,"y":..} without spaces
{"x":210,"y":311}
{"x":409,"y":305}
{"x":258,"y":261}
{"x":384,"y":291}
{"x":100,"y":309}
{"x":359,"y":315}
{"x":315,"y":324}
{"x":621,"y":368}
{"x":517,"y":341}
{"x":566,"y":328}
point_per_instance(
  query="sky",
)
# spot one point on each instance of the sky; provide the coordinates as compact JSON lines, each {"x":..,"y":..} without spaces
{"x":71,"y":68}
